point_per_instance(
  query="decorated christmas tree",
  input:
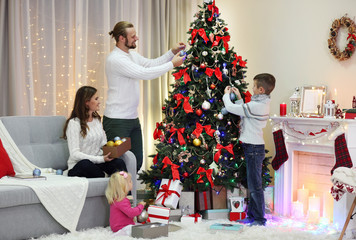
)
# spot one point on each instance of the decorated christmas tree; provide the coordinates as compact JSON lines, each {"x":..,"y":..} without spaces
{"x":198,"y":140}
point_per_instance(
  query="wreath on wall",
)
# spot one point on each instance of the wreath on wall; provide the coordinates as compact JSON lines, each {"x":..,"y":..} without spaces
{"x":334,"y":30}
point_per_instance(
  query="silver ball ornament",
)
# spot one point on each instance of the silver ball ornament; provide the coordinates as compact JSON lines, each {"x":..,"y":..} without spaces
{"x":202,"y":161}
{"x":220,"y":116}
{"x":204,"y":53}
{"x":206,"y":105}
{"x":142,"y":217}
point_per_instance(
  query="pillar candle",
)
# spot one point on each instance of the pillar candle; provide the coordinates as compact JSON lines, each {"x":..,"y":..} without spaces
{"x":313,"y":216}
{"x":297,"y":210}
{"x":314,"y":203}
{"x":328,"y":206}
{"x":303,"y":195}
{"x":283,"y":109}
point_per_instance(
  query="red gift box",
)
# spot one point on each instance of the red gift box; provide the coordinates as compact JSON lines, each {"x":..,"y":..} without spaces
{"x":234,"y":216}
{"x":350,"y":115}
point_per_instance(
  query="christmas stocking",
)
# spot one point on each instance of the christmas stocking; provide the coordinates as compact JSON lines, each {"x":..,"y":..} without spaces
{"x":281,"y":151}
{"x":342,"y":155}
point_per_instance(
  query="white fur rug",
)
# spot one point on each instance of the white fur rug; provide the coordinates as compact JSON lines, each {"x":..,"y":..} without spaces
{"x":275,"y":230}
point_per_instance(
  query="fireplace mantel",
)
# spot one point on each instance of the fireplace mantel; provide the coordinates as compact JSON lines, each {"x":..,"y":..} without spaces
{"x":315,"y":135}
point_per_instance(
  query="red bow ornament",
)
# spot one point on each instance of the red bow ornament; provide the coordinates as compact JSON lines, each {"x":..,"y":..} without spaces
{"x":210,"y":71}
{"x":157,"y":133}
{"x":199,"y":129}
{"x":351,"y":35}
{"x":213,"y":9}
{"x":238,"y":59}
{"x":247,"y":97}
{"x":201,"y":32}
{"x":229,"y":148}
{"x":208,"y":174}
{"x":225,"y":39}
{"x":174,"y":168}
{"x":182,"y":72}
{"x":179,"y":133}
{"x":179,"y":97}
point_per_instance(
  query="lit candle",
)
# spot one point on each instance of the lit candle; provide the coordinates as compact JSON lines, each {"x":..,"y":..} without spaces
{"x":303,"y":195}
{"x":328,"y":206}
{"x":313,"y":216}
{"x":314,"y":203}
{"x":283,"y":109}
{"x":297,"y":210}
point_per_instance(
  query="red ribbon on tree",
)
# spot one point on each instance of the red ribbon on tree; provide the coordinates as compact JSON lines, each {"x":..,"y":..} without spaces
{"x":199,"y":129}
{"x":155,"y":159}
{"x":208,"y":174}
{"x":248,"y":96}
{"x":157,"y":133}
{"x":195,"y":216}
{"x":182,"y":72}
{"x":213,"y":9}
{"x":174,"y":168}
{"x":210,"y":71}
{"x":225,"y":39}
{"x":179,"y":97}
{"x":179,"y":133}
{"x":351,"y":35}
{"x":166,"y":192}
{"x":239,"y":60}
{"x":229,"y":148}
{"x":201,"y":32}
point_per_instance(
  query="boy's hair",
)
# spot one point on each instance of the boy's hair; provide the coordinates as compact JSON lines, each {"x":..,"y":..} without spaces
{"x":265,"y":80}
{"x":117,"y":188}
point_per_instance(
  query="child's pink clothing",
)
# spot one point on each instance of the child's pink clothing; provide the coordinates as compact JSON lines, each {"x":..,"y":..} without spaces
{"x":122,"y":214}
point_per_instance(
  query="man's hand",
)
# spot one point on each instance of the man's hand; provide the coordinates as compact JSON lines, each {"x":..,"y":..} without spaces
{"x":178,"y":60}
{"x":227,"y":89}
{"x":237,"y":92}
{"x":180,"y":46}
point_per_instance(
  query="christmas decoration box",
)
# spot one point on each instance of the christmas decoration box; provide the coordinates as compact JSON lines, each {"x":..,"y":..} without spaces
{"x":234,"y":216}
{"x":224,"y":226}
{"x":350,"y":113}
{"x":218,"y":197}
{"x":118,"y":151}
{"x":175,"y":215}
{"x":203,"y":200}
{"x":237,"y":204}
{"x":191,"y":218}
{"x":169,"y":193}
{"x":150,"y":230}
{"x":213,"y":214}
{"x":158,"y":214}
{"x":186,"y":202}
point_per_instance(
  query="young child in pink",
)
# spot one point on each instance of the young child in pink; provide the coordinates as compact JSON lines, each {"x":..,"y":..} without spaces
{"x":121,"y":212}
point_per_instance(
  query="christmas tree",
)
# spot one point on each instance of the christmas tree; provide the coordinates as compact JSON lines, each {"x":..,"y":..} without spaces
{"x":198,"y":139}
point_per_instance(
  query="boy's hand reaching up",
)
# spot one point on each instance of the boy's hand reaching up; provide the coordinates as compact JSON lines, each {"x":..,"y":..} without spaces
{"x":237,"y":92}
{"x":227,"y":89}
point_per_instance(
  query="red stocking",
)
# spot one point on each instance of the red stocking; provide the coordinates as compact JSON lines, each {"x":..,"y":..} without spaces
{"x":281,"y":152}
{"x":342,"y":155}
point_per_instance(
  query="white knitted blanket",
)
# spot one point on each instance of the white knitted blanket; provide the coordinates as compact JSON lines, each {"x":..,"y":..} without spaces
{"x":62,"y":196}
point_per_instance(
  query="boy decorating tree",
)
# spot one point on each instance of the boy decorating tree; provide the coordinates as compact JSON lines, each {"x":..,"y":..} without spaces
{"x":254,"y":116}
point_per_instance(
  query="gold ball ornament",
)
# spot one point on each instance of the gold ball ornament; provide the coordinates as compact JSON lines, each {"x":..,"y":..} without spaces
{"x":110,"y":143}
{"x":196,"y":142}
{"x":117,"y":142}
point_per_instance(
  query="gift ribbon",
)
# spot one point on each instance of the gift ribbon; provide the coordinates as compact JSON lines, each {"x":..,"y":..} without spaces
{"x":179,"y":132}
{"x":225,"y":39}
{"x":239,"y":59}
{"x":205,"y":201}
{"x":179,"y":97}
{"x":174,"y":168}
{"x":201,"y":32}
{"x":158,"y":216}
{"x":195,"y":216}
{"x":182,"y":72}
{"x":166,"y":192}
{"x":155,"y":159}
{"x":248,"y":96}
{"x":210,"y":71}
{"x":229,"y":148}
{"x":199,"y":129}
{"x":213,"y":9}
{"x":208,"y":174}
{"x":157,"y":133}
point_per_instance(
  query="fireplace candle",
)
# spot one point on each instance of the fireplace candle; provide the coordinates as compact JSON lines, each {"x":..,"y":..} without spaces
{"x":283,"y":109}
{"x":314,"y":203}
{"x":313,"y":216}
{"x":303,"y":195}
{"x":328,"y":206}
{"x":297,"y":210}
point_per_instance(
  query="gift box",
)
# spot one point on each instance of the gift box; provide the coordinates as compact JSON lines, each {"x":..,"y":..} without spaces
{"x":175,"y":215}
{"x":349,"y":115}
{"x":187,"y":202}
{"x":234,"y":216}
{"x":191,"y":218}
{"x":158,"y":214}
{"x":203,"y":200}
{"x":169,"y":193}
{"x":229,"y":227}
{"x":218,"y":197}
{"x":150,"y":230}
{"x":237,"y":204}
{"x":118,"y":151}
{"x":213,"y":214}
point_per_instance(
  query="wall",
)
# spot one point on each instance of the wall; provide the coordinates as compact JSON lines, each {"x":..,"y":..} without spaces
{"x":289,"y":39}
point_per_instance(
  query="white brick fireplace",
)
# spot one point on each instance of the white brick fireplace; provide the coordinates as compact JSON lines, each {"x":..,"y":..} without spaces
{"x":311,"y":157}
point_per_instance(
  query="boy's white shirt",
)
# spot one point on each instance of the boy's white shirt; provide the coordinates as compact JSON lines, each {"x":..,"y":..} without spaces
{"x":254,"y":116}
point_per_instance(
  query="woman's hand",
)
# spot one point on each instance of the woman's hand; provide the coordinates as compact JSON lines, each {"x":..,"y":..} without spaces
{"x":107,"y":158}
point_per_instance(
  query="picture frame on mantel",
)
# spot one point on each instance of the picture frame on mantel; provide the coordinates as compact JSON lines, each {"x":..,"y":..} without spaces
{"x":312,"y":101}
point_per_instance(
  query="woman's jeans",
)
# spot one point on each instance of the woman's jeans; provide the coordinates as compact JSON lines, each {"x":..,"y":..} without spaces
{"x":254,"y":156}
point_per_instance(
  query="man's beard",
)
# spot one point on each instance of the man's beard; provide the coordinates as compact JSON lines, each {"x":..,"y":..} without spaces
{"x":133,"y":45}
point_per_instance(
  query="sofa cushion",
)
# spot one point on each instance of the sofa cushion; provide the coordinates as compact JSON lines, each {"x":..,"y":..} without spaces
{"x":38,"y":139}
{"x":6,"y":168}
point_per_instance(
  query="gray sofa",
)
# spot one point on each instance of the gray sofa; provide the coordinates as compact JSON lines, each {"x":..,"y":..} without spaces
{"x":22,"y":215}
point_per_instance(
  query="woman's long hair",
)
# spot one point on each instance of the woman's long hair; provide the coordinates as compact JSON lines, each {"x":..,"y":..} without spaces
{"x":80,"y":109}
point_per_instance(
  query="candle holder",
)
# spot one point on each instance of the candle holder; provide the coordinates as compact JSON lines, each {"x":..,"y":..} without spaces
{"x":329,"y":109}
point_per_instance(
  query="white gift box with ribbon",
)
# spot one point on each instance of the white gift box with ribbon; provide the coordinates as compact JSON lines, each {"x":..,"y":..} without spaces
{"x":158,"y":214}
{"x":192,"y":218}
{"x":169,"y":193}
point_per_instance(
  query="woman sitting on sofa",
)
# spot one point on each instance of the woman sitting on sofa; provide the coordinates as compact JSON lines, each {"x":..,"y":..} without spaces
{"x":85,"y":135}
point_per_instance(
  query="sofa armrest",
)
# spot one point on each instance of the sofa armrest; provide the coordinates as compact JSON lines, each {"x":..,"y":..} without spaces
{"x":131,"y":165}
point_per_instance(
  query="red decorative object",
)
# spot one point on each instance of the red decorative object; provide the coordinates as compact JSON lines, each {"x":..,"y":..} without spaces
{"x":283,"y":109}
{"x":199,"y":112}
{"x":203,"y":66}
{"x":234,"y":216}
{"x":212,"y":86}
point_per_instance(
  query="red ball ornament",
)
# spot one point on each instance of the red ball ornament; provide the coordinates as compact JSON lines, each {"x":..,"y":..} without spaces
{"x":163,"y":108}
{"x":212,"y":86}
{"x":199,"y":112}
{"x":185,"y":175}
{"x":203,"y":66}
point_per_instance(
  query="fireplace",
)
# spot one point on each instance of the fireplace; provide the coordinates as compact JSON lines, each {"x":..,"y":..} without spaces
{"x":310,"y":147}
